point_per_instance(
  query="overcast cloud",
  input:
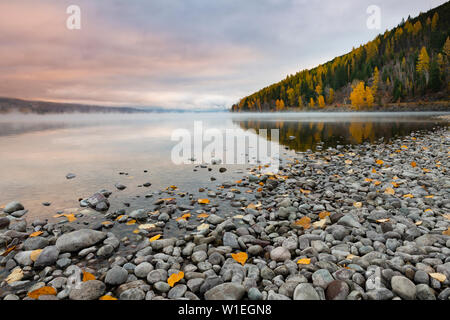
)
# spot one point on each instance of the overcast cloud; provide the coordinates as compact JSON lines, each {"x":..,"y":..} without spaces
{"x":176,"y":53}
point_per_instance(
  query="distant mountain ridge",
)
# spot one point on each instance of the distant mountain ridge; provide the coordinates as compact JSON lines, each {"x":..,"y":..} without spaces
{"x":8,"y":105}
{"x":406,"y":64}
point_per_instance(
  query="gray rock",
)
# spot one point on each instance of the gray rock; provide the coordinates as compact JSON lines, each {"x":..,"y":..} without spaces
{"x":199,"y":256}
{"x":140,"y":214}
{"x":23,"y":258}
{"x":424,"y":292}
{"x":254,"y":294}
{"x":177,"y":292}
{"x":280,"y":254}
{"x":80,"y":239}
{"x":349,"y":221}
{"x":143,"y":269}
{"x":230,"y":240}
{"x":47,"y":257}
{"x":35,"y":243}
{"x":337,"y":290}
{"x":403,"y":287}
{"x":305,"y":291}
{"x":116,"y":276}
{"x":132,"y":294}
{"x":380,"y":294}
{"x":89,"y":290}
{"x":13,"y":207}
{"x":226,"y":291}
{"x":322,"y":278}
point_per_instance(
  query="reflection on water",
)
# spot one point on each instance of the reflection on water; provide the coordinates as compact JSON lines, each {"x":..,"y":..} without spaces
{"x":311,"y":132}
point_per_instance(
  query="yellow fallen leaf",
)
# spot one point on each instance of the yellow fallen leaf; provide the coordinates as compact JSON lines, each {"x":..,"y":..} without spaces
{"x":203,"y":201}
{"x":395,"y":184}
{"x":107,"y":223}
{"x":174,"y":278}
{"x":426,"y":170}
{"x":35,"y":254}
{"x":168,"y":199}
{"x":389,"y":191}
{"x":69,"y":216}
{"x":413,"y":164}
{"x":304,"y":261}
{"x":368,"y":180}
{"x":348,"y":161}
{"x":155,"y":238}
{"x":383,"y":220}
{"x":107,"y":297}
{"x":305,"y":191}
{"x":119,"y":217}
{"x":131,"y":222}
{"x":438,"y":276}
{"x":323,"y":215}
{"x":380,"y":162}
{"x":419,"y":223}
{"x":410,"y":196}
{"x":377,"y":183}
{"x":446,"y":216}
{"x":202,"y":215}
{"x":358,"y":205}
{"x":48,"y":291}
{"x":136,"y":231}
{"x":429,"y":197}
{"x":15,"y":275}
{"x":374,"y":171}
{"x":305,"y":222}
{"x":87,"y":276}
{"x":36,"y":234}
{"x":351,"y":257}
{"x":8,"y":250}
{"x":240,"y":257}
{"x":446,"y":232}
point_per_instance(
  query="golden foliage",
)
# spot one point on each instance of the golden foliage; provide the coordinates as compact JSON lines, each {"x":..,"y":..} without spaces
{"x":107,"y":297}
{"x":304,"y":261}
{"x":48,"y":291}
{"x":174,"y":278}
{"x":155,"y":238}
{"x":240,"y":257}
{"x":87,"y":276}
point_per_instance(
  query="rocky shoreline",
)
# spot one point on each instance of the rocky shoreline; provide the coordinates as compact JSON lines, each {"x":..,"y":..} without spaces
{"x":367,"y":222}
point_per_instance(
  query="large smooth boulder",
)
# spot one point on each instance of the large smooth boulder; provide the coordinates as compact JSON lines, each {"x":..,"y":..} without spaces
{"x":80,"y":239}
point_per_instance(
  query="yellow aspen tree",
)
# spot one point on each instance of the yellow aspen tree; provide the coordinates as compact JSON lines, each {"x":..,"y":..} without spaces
{"x":357,"y":95}
{"x":311,"y":103}
{"x":368,"y":97}
{"x":434,"y":21}
{"x":321,"y":101}
{"x":447,"y":48}
{"x":423,"y":65}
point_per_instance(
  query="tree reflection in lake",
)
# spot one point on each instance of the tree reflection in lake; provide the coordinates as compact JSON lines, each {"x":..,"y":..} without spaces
{"x":310,"y":133}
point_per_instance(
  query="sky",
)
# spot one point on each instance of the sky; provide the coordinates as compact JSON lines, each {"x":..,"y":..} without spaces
{"x":186,"y":54}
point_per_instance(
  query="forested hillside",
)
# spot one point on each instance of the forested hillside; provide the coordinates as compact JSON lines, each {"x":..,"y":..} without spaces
{"x":406,"y":64}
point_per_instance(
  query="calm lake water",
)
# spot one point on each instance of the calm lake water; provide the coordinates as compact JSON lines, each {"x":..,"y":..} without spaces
{"x":38,"y":151}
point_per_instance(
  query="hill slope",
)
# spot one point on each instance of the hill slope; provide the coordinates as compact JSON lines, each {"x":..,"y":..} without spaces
{"x":408,"y":63}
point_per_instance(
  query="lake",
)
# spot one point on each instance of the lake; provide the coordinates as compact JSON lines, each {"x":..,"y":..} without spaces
{"x":39,"y":150}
